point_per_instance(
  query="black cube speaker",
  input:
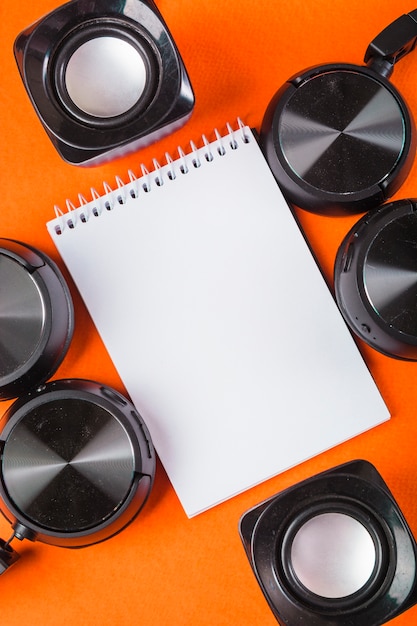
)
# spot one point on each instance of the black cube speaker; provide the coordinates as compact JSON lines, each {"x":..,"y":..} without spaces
{"x":339,"y":138}
{"x":333,"y":550}
{"x":375,"y":279}
{"x":105,"y":77}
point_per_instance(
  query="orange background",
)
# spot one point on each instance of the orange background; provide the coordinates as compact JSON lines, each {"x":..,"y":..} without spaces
{"x":165,"y":569}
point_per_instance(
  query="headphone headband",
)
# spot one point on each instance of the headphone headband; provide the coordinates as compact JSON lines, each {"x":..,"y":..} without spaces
{"x":393,"y":43}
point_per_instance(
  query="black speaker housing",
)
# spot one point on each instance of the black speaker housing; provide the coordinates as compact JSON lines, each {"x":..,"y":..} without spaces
{"x":339,"y":138}
{"x":80,"y":98}
{"x":354,"y":492}
{"x":36,"y":318}
{"x":374,"y":278}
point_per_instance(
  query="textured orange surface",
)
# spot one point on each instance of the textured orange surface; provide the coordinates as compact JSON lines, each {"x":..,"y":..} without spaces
{"x":165,"y":569}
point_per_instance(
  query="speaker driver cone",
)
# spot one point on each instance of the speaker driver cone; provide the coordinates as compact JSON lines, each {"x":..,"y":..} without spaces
{"x":333,"y":555}
{"x":104,"y":73}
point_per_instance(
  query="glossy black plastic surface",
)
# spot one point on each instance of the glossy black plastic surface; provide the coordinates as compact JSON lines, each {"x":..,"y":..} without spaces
{"x":338,"y":138}
{"x":77,"y":463}
{"x":355,"y":490}
{"x":36,"y":318}
{"x":43,"y":50}
{"x":375,"y":279}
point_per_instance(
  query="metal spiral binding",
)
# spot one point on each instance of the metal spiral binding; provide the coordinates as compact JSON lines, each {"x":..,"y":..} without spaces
{"x":158,"y":176}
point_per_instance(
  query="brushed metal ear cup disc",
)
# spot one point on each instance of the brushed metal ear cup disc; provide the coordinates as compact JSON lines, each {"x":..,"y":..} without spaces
{"x":36,"y":318}
{"x":77,"y":463}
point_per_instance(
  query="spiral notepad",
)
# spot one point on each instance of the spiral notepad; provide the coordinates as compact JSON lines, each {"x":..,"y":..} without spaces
{"x":217,"y":318}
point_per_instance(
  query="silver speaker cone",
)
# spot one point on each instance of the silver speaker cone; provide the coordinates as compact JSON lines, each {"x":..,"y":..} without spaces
{"x":105,"y":77}
{"x":333,"y":555}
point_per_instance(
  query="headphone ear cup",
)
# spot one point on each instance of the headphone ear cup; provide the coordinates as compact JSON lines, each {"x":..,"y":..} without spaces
{"x":97,"y":458}
{"x":374,"y":279}
{"x":36,"y":318}
{"x":339,"y":139}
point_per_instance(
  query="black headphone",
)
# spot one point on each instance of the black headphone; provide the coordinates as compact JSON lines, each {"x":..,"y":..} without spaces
{"x":375,"y":279}
{"x":339,"y":138}
{"x":76,"y":460}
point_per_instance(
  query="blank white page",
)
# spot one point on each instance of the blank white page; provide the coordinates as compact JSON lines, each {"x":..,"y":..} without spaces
{"x":218,"y":320}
